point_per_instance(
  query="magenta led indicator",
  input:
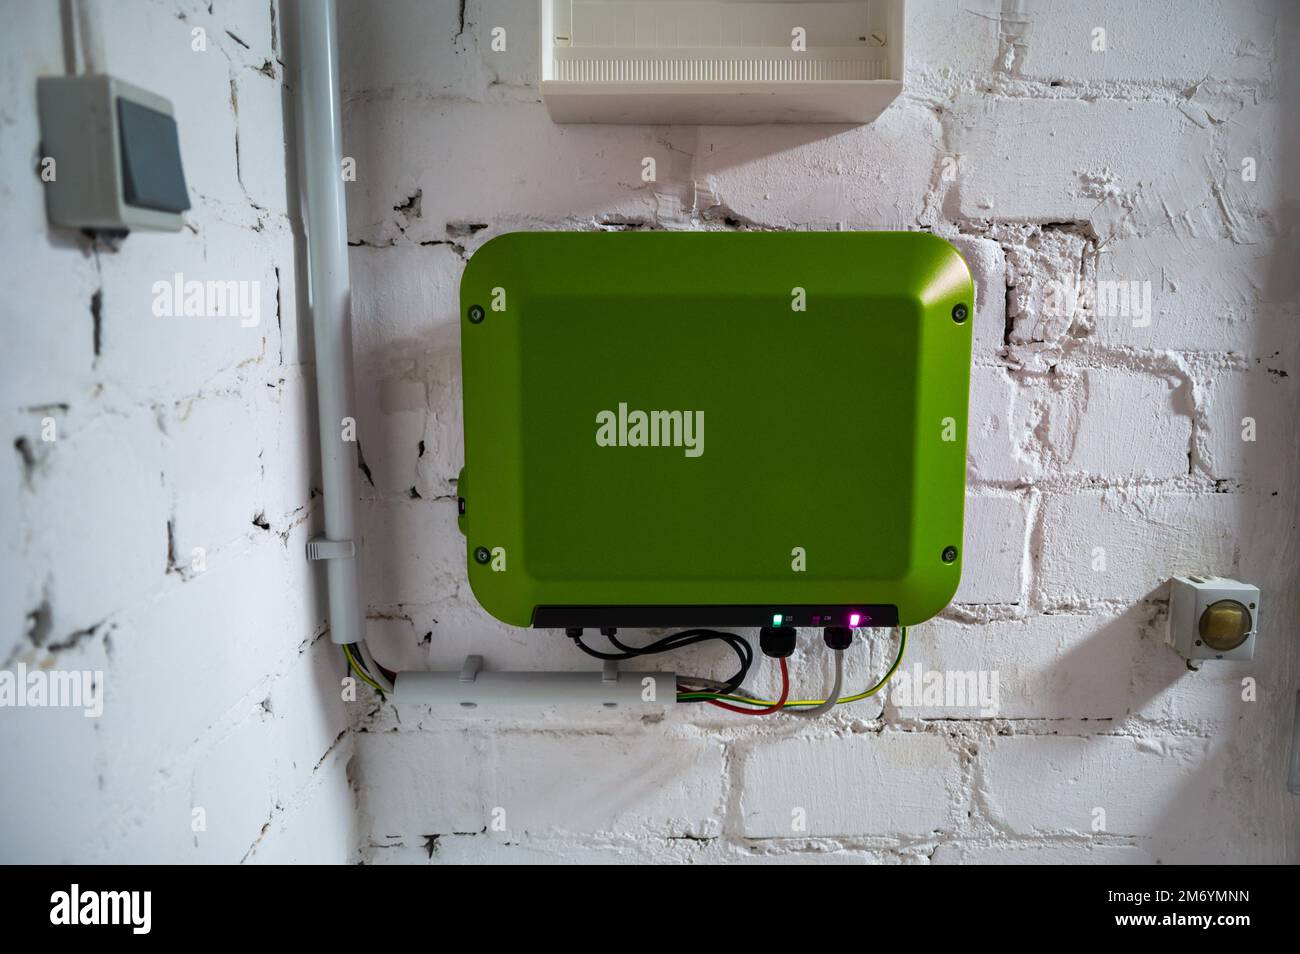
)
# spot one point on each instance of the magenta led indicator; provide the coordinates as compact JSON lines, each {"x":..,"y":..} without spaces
{"x":854,"y":619}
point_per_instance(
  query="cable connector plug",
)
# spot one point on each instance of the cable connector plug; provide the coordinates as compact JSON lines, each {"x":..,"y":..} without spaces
{"x":838,"y":637}
{"x":777,"y":641}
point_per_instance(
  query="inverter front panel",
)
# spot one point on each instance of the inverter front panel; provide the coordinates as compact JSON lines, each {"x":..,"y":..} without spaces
{"x":714,"y":428}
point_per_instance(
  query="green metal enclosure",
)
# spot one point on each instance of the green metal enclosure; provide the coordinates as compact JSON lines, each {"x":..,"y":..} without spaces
{"x":692,"y":429}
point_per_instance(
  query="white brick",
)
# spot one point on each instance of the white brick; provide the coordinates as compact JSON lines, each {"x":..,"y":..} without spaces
{"x":318,"y":829}
{"x":946,"y":45}
{"x":231,"y":652}
{"x":1266,"y":395}
{"x":410,"y":423}
{"x":1213,"y":695}
{"x":308,"y":718}
{"x":1047,"y":667}
{"x":1067,"y":667}
{"x":1022,"y":424}
{"x":1204,"y":293}
{"x":19,"y":593}
{"x":887,"y":783}
{"x":1218,"y":38}
{"x":1054,"y":783}
{"x":1064,"y":156}
{"x":988,"y":268}
{"x":996,"y":439}
{"x":393,"y":414}
{"x":489,"y":848}
{"x":715,"y":170}
{"x":438,"y":469}
{"x":149,"y":827}
{"x":517,"y":64}
{"x":1039,"y":853}
{"x":52,"y":755}
{"x":35,"y":345}
{"x":409,"y":801}
{"x":644,"y":781}
{"x":1133,"y":425}
{"x":233,"y":785}
{"x":412,"y":551}
{"x":572,"y":173}
{"x":615,"y":784}
{"x":850,"y":179}
{"x":261,"y":122}
{"x":404,"y":294}
{"x":199,"y":348}
{"x":294,"y":339}
{"x":993,"y":553}
{"x":250,"y":21}
{"x":213,"y":460}
{"x":423,"y":47}
{"x":1145,"y":538}
{"x":287,"y":426}
{"x":97,"y":519}
{"x":1162,"y":791}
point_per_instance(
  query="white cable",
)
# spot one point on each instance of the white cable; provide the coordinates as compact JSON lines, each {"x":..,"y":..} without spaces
{"x":834,"y":697}
{"x":372,"y":667}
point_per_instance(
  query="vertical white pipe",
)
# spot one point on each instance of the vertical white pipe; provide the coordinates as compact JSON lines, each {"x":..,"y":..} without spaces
{"x":320,"y":156}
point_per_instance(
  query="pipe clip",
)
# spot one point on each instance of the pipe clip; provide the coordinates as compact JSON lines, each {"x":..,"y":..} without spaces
{"x":323,"y":549}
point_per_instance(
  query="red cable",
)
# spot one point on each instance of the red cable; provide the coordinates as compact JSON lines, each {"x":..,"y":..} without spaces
{"x":780,"y":702}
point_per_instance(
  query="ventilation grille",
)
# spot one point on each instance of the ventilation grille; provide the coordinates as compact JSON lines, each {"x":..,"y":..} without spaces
{"x":718,"y":70}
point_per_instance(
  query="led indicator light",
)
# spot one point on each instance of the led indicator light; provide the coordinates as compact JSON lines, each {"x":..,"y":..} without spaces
{"x":776,"y":619}
{"x":854,"y":619}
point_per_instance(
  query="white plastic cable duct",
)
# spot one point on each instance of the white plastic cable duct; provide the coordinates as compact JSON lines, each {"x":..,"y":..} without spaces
{"x":472,"y":687}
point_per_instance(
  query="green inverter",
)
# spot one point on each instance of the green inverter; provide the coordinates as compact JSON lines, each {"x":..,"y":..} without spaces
{"x":714,"y":428}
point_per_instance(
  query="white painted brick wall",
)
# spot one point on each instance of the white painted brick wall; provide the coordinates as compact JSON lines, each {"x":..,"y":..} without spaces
{"x":1087,"y":430}
{"x":221,"y":692}
{"x":1105,"y":455}
{"x":898,"y":784}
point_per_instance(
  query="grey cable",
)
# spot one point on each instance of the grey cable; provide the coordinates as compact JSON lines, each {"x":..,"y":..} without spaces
{"x":834,"y":697}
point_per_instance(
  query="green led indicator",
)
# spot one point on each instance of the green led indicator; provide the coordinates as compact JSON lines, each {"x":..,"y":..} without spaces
{"x":776,"y":619}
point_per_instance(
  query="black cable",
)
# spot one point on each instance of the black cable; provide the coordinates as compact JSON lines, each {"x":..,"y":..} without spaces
{"x":744,"y":653}
{"x":740,"y":646}
{"x":612,"y":636}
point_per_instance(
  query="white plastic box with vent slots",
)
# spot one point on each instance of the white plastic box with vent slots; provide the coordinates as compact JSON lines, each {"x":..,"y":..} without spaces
{"x":720,"y":61}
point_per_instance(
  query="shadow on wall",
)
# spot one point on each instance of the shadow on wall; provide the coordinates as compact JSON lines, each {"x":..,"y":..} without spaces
{"x":1270,"y":503}
{"x":1241,"y":777}
{"x":416,"y":120}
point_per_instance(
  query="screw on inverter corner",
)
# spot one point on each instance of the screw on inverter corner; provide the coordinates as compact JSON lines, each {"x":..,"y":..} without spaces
{"x":949,"y":554}
{"x":959,"y":313}
{"x":476,"y":314}
{"x":481,"y":554}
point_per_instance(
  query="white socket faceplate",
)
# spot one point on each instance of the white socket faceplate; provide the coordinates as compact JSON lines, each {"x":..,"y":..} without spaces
{"x":1190,"y":597}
